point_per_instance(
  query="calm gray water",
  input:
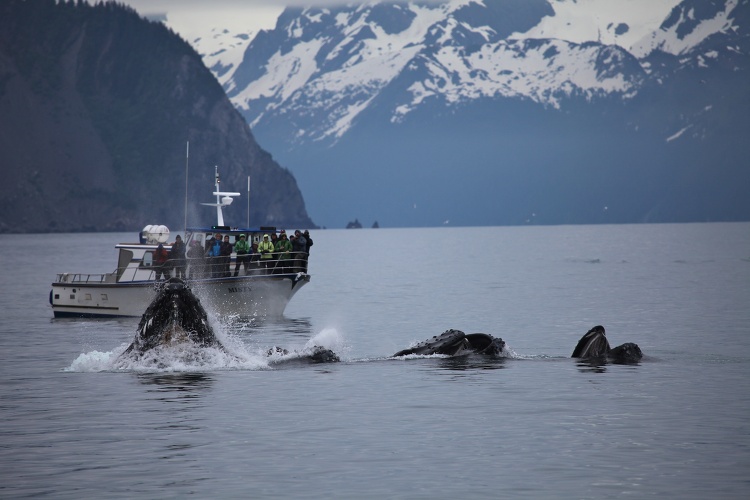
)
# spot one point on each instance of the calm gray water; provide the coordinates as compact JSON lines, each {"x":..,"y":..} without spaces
{"x":535,"y":425}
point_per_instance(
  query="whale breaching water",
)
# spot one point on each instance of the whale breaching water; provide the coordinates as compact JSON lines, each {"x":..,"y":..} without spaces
{"x":594,"y":345}
{"x":176,"y":316}
{"x":457,"y":343}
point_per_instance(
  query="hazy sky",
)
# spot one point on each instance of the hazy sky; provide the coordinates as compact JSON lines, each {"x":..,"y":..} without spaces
{"x":193,"y":15}
{"x":188,"y":16}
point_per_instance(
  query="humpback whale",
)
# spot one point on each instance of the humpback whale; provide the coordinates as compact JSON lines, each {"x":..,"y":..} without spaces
{"x":314,"y":354}
{"x":594,"y":345}
{"x":176,"y":316}
{"x":456,"y":343}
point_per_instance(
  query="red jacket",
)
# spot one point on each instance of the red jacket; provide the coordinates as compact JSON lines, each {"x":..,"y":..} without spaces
{"x":160,"y":256}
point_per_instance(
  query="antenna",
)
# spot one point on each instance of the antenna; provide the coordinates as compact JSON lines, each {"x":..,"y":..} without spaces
{"x":187,"y":155}
{"x":248,"y":201}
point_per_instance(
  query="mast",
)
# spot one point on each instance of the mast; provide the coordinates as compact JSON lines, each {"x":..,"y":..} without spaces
{"x":187,"y":155}
{"x":223,"y":199}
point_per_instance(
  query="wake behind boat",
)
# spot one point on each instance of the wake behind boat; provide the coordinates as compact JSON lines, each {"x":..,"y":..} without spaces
{"x":262,"y":284}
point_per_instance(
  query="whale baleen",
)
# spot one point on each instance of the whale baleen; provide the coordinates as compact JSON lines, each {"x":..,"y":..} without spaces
{"x":594,"y":345}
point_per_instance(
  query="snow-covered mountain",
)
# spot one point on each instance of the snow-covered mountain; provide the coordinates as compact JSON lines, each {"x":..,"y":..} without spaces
{"x":329,"y":88}
{"x":341,"y":59}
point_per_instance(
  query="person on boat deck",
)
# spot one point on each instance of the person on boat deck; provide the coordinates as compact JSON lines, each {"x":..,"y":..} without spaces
{"x":265,"y":249}
{"x":226,"y":252}
{"x":283,"y":249}
{"x":177,"y":257}
{"x":306,"y":234}
{"x":195,"y":254}
{"x":214,"y":256}
{"x":243,"y":250}
{"x":160,"y":262}
{"x":209,"y":242}
{"x":299,"y":245}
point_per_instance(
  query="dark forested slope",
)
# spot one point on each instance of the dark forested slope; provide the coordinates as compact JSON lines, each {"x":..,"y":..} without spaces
{"x":96,"y":107}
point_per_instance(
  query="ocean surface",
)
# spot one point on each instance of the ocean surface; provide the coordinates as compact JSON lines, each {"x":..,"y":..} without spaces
{"x":535,"y":424}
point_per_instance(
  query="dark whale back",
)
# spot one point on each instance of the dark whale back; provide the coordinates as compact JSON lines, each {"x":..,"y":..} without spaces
{"x":455,"y":342}
{"x":626,"y":353}
{"x":447,"y":342}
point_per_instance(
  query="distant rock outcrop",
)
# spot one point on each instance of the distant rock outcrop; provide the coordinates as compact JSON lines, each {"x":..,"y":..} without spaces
{"x":96,"y":107}
{"x":355,"y":224}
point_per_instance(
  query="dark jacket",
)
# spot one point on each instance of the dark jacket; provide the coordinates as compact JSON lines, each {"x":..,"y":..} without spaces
{"x":178,"y":251}
{"x":226,"y":249}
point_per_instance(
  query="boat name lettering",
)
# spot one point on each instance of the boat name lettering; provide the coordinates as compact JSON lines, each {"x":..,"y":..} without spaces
{"x":239,"y":289}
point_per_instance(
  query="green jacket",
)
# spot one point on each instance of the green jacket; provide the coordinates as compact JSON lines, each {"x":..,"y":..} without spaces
{"x":265,"y":249}
{"x":242,"y":247}
{"x":284,"y":246}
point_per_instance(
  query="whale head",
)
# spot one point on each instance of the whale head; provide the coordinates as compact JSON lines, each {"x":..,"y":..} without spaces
{"x":457,"y":343}
{"x":594,"y":345}
{"x":174,"y":316}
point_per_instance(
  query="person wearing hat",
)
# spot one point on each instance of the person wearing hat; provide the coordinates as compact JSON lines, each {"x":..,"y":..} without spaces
{"x":265,"y":249}
{"x":160,"y":262}
{"x":226,"y":257}
{"x":306,"y":234}
{"x":243,"y":250}
{"x":283,"y":249}
{"x":299,"y":244}
{"x":177,"y":257}
{"x":214,"y":255}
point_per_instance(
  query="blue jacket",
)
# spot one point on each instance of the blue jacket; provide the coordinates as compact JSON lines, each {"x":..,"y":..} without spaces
{"x":215,"y":249}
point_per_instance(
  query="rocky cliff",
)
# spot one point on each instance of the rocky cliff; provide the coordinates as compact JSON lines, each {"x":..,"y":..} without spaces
{"x":96,"y":107}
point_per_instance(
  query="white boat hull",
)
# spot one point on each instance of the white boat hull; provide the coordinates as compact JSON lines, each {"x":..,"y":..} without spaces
{"x":243,"y":296}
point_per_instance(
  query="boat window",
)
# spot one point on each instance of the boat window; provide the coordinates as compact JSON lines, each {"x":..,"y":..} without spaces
{"x":148,"y":259}
{"x":123,"y":261}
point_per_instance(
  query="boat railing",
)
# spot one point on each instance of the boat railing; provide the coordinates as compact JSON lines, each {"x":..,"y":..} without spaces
{"x":244,"y":265}
{"x":199,"y":268}
{"x":127,"y":274}
{"x":85,"y":278}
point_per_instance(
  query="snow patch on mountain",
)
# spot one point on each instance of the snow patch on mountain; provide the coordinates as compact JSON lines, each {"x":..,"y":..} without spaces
{"x":221,"y":33}
{"x":545,"y":72}
{"x":326,"y":66}
{"x":685,"y":29}
{"x":611,"y":22}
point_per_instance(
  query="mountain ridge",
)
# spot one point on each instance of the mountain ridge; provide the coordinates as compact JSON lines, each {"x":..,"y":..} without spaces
{"x":331,"y":89}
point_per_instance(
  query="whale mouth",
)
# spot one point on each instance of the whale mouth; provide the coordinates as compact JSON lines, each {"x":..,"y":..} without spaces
{"x":595,"y":346}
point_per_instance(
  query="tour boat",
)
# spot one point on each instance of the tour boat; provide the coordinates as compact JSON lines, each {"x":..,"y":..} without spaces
{"x":264,"y":287}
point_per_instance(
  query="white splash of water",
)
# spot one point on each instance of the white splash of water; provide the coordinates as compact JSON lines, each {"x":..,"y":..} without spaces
{"x":330,"y":338}
{"x":187,"y":357}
